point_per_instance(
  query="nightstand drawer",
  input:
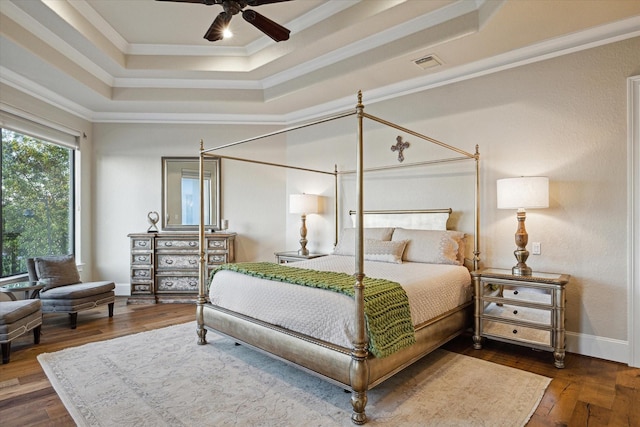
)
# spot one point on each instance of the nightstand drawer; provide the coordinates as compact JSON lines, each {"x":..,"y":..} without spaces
{"x":535,"y":316}
{"x":497,"y":291}
{"x":513,"y":332}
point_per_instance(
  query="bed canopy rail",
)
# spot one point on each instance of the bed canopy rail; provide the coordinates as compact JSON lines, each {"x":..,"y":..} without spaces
{"x":358,"y":369}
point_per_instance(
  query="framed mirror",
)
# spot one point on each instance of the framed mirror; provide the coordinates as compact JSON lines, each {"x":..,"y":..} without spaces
{"x":181,"y":193}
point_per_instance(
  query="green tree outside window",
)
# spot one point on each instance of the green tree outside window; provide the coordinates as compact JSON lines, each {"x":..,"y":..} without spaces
{"x":37,"y":200}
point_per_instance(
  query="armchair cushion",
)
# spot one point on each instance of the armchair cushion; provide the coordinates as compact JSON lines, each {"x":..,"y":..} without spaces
{"x":55,"y":271}
{"x":12,"y":311}
{"x":78,"y":291}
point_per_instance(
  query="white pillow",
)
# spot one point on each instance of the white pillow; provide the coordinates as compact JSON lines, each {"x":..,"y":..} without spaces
{"x":347,"y":241}
{"x":432,"y":246}
{"x":383,"y":251}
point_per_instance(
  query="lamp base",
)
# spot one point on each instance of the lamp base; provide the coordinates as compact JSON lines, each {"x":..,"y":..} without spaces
{"x":303,"y":237}
{"x":521,"y":271}
{"x":521,"y":253}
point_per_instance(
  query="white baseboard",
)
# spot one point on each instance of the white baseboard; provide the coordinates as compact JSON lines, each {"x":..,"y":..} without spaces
{"x":600,"y":347}
{"x":123,"y":289}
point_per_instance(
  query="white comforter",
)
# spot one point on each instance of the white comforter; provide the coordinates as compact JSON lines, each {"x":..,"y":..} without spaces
{"x":432,"y":289}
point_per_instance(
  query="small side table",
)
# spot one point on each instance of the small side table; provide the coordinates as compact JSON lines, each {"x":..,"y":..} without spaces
{"x":524,"y":310}
{"x":294,"y":256}
{"x":31,"y":289}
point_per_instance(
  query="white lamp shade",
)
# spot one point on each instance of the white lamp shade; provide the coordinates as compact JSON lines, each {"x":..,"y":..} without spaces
{"x":303,"y":203}
{"x":527,"y":192}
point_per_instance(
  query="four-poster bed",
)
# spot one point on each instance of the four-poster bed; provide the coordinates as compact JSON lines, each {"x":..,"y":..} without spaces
{"x":351,"y":364}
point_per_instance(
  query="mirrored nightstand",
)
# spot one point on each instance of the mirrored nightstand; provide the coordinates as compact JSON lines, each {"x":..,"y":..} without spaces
{"x":294,"y":256}
{"x":524,"y":310}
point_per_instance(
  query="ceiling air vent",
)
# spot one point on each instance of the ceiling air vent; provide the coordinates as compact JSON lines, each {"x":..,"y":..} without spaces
{"x":427,"y":62}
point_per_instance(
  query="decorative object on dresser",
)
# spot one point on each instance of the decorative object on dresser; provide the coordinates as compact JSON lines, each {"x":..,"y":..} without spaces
{"x":303,"y":204}
{"x":294,"y":256}
{"x":526,"y":192}
{"x":528,"y":311}
{"x":164,"y":266}
{"x":153,"y":219}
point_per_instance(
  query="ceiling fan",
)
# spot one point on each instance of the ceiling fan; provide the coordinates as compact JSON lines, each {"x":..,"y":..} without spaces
{"x":232,"y":7}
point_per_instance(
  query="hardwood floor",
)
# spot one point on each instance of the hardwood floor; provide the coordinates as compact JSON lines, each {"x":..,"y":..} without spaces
{"x":588,"y":392}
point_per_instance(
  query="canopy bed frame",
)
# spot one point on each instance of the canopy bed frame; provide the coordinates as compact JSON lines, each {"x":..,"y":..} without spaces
{"x":354,"y":369}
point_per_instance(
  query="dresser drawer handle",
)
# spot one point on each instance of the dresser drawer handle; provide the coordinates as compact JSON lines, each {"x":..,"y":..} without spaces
{"x":515,"y":331}
{"x":193,"y":244}
{"x":217,"y":243}
{"x":142,"y":273}
{"x":515,"y":311}
{"x":193,"y":284}
{"x":168,"y":284}
{"x":168,"y":261}
{"x":141,"y":243}
{"x":168,"y":244}
{"x":142,"y":258}
{"x":515,"y":292}
{"x":193,"y":262}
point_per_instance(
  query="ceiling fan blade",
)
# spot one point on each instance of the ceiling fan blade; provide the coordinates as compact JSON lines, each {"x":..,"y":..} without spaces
{"x":215,"y":31}
{"x":274,"y":30}
{"x":207,"y":2}
{"x":261,"y":2}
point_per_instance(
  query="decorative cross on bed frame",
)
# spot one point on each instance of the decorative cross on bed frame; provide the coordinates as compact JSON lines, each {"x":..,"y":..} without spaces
{"x":400,"y":147}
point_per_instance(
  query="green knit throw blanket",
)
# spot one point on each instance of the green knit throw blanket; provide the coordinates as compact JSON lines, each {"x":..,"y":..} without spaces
{"x":386,"y":306}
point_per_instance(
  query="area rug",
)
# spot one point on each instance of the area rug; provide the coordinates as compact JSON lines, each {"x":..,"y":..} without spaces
{"x":163,"y":378}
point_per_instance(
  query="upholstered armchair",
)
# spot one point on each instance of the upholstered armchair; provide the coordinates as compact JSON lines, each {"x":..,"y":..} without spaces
{"x":63,"y":291}
{"x":16,"y":319}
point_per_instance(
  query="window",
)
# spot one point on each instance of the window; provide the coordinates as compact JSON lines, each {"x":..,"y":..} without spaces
{"x":37,"y":200}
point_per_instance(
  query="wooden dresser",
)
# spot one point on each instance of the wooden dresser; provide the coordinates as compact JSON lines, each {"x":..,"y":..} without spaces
{"x":164,"y":266}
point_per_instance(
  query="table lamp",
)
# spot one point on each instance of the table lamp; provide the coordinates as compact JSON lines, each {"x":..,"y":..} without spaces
{"x":303,"y":204}
{"x":527,"y":192}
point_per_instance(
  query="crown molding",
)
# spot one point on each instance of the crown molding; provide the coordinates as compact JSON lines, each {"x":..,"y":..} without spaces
{"x":47,"y":36}
{"x":43,"y":94}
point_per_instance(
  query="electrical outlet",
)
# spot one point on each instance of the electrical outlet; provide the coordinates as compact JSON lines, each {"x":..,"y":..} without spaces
{"x":535,"y":248}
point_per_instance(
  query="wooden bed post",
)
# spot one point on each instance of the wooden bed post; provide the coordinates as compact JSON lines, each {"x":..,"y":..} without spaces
{"x":359,"y":368}
{"x":202,"y":265}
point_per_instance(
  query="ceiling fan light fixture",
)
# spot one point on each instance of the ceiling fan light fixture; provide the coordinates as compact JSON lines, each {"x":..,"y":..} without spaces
{"x":219,"y":28}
